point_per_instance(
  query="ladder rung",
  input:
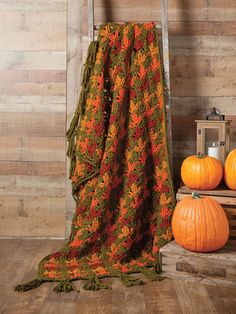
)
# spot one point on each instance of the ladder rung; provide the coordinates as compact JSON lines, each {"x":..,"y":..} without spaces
{"x":96,"y":26}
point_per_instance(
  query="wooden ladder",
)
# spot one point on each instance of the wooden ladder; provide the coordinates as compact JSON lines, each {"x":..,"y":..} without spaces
{"x":166,"y":62}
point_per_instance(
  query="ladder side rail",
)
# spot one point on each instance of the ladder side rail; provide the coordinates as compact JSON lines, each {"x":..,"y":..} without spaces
{"x":90,"y":20}
{"x":166,"y":66}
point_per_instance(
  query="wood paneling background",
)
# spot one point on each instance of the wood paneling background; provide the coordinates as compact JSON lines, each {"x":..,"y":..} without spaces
{"x":35,"y":194}
{"x":32,"y":117}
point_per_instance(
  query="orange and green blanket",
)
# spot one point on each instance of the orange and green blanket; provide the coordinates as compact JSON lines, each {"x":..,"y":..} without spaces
{"x":119,"y":165}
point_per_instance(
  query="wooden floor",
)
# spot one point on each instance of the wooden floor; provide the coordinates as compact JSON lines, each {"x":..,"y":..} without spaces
{"x":18,"y":263}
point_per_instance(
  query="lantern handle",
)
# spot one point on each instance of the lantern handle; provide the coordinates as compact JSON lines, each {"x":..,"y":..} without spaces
{"x":215,"y":111}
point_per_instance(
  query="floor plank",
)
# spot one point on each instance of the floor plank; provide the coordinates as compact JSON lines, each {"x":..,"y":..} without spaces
{"x":127,"y":300}
{"x":162,"y":297}
{"x":19,"y":260}
{"x":217,"y":298}
{"x":193,"y":297}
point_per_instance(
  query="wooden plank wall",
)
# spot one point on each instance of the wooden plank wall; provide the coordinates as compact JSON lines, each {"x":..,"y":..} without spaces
{"x":74,"y":68}
{"x":35,"y":194}
{"x":32,"y":117}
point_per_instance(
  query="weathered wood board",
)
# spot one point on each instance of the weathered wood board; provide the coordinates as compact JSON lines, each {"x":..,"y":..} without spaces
{"x":41,"y":52}
{"x":32,"y":118}
{"x":217,"y":268}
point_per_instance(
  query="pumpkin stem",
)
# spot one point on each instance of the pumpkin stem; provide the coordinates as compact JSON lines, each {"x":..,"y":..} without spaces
{"x":200,"y":156}
{"x":195,"y":195}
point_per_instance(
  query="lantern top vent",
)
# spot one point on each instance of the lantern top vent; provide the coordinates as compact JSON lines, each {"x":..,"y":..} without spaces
{"x":215,"y":115}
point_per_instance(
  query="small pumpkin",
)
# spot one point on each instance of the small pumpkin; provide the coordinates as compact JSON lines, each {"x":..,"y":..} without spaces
{"x":230,"y":170}
{"x":201,"y":172}
{"x":199,"y":224}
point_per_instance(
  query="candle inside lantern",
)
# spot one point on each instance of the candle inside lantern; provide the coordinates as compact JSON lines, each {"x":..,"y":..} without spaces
{"x":213,"y":151}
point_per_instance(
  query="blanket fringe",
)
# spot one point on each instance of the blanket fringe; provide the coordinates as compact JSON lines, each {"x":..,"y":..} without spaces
{"x":94,"y":283}
{"x":29,"y":285}
{"x":65,"y":285}
{"x":150,"y":274}
{"x":72,"y":131}
{"x":129,"y":281}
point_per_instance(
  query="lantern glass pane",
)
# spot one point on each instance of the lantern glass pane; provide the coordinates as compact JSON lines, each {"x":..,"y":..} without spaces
{"x":212,"y":142}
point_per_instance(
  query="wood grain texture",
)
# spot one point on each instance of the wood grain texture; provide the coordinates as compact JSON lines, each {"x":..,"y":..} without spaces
{"x":19,"y":261}
{"x":32,"y":148}
{"x":32,"y":124}
{"x":42,"y":104}
{"x":48,"y":225}
{"x":32,"y":185}
{"x":221,"y":10}
{"x":26,"y":60}
{"x":161,"y":298}
{"x":42,"y":40}
{"x":32,"y":21}
{"x":29,"y":205}
{"x":74,"y":69}
{"x":196,"y":295}
{"x":33,"y":41}
{"x":32,"y":88}
{"x":209,"y":46}
{"x":193,"y":28}
{"x":215,"y":268}
{"x":32,"y":168}
{"x":32,"y":119}
{"x":217,"y":67}
{"x":219,"y":86}
{"x":200,"y":105}
{"x":32,"y":76}
{"x":28,"y":5}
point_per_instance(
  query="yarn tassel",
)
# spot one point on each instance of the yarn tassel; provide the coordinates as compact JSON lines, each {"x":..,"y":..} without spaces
{"x":65,"y":286}
{"x":93,"y":283}
{"x":129,"y":281}
{"x":150,"y":274}
{"x":29,"y":285}
{"x":72,"y":131}
{"x":91,"y":56}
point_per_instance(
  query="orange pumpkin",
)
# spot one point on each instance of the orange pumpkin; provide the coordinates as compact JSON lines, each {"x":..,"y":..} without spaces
{"x":201,"y":172}
{"x":200,"y":224}
{"x":230,"y":170}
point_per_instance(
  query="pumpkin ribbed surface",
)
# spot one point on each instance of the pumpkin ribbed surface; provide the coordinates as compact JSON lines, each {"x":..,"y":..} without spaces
{"x":201,"y":173}
{"x":230,"y":170}
{"x":200,"y":224}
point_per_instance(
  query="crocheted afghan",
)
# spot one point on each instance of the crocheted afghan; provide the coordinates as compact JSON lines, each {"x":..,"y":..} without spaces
{"x":119,"y":166}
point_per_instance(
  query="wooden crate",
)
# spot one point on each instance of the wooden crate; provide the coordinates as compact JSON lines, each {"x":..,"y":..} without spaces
{"x":227,"y":198}
{"x":218,"y":268}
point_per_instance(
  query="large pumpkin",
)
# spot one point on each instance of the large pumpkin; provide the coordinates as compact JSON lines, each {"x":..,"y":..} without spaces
{"x":200,"y":224}
{"x":201,"y":172}
{"x":230,"y":170}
